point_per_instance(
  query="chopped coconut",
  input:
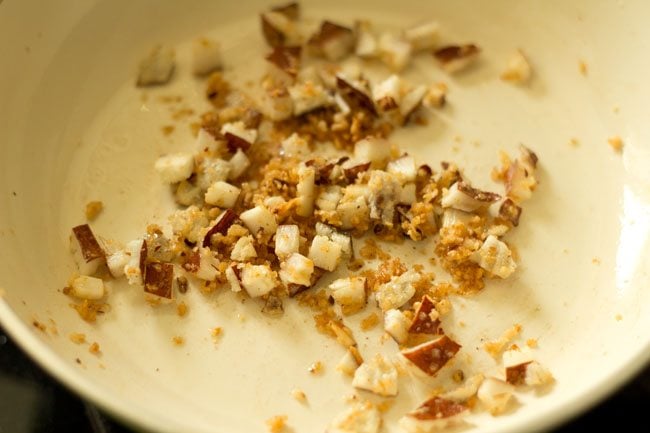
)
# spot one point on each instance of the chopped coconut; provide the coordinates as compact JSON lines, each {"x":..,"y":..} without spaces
{"x":175,"y":167}
{"x":332,"y":41}
{"x":378,"y":376}
{"x":394,"y":51}
{"x":397,"y":292}
{"x":87,"y":252}
{"x":239,"y":163}
{"x":258,"y":280}
{"x":431,"y":356}
{"x":349,"y":292}
{"x":518,"y":70}
{"x":463,"y":197}
{"x":495,"y":394}
{"x":396,"y":324}
{"x":435,"y":414}
{"x":348,"y":364}
{"x":206,"y":56}
{"x":116,"y":262}
{"x":306,"y":190}
{"x":157,"y":67}
{"x":423,"y":36}
{"x":455,"y":58}
{"x":85,"y":287}
{"x":466,"y":391}
{"x":244,"y":249}
{"x":495,"y":257}
{"x":258,"y":219}
{"x":425,"y":320}
{"x":222,"y":194}
{"x":297,"y":269}
{"x":308,"y":97}
{"x":362,"y":417}
{"x":134,"y":269}
{"x":366,"y":46}
{"x":233,"y":279}
{"x":404,"y":168}
{"x":325,"y":253}
{"x":295,"y":145}
{"x":287,"y":240}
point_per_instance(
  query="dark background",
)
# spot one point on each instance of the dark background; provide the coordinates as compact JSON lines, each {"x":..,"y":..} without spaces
{"x":31,"y":402}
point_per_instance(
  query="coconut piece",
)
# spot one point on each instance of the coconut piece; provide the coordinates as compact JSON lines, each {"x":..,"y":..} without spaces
{"x":495,"y":257}
{"x":394,"y":51}
{"x":157,"y":67}
{"x":226,"y":219}
{"x":187,"y":194}
{"x":344,"y":240}
{"x":466,"y":391}
{"x":495,"y":394}
{"x":175,"y":167}
{"x":329,"y":197}
{"x":244,"y":249}
{"x":372,"y":149}
{"x":325,"y":254}
{"x":520,"y":178}
{"x":351,"y":173}
{"x":387,"y":93}
{"x":116,"y":262}
{"x":366,"y":46}
{"x":349,"y":293}
{"x":385,"y":190}
{"x":362,"y":417}
{"x":518,"y":70}
{"x":308,"y":96}
{"x":521,"y":369}
{"x":436,"y":96}
{"x":463,"y":197}
{"x":377,"y":375}
{"x":297,"y":269}
{"x":347,"y":364}
{"x":258,"y":219}
{"x":212,"y":170}
{"x":396,"y":324}
{"x":206,"y":56}
{"x":232,"y":277}
{"x":455,"y":58}
{"x":222,"y":194}
{"x":396,"y":292}
{"x":510,"y":212}
{"x":408,"y":194}
{"x":85,"y":287}
{"x":206,"y":142}
{"x":239,"y":163}
{"x":355,"y":93}
{"x":87,"y":252}
{"x":404,"y":168}
{"x":202,"y":263}
{"x":451,"y":217}
{"x":295,"y":145}
{"x":238,"y":136}
{"x":425,"y":320}
{"x":287,"y":240}
{"x":332,"y":41}
{"x":422,"y":36}
{"x":284,"y":63}
{"x":411,"y":101}
{"x":431,"y":356}
{"x":159,"y":279}
{"x":258,"y":280}
{"x":135,"y":267}
{"x":437,"y":413}
{"x":278,"y":25}
{"x":277,"y":103}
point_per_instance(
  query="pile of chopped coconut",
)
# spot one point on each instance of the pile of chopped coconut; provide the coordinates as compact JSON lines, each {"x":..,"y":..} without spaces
{"x":279,"y":190}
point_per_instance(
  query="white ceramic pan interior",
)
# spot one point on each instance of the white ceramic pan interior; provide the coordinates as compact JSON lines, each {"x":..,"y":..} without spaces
{"x":73,"y":128}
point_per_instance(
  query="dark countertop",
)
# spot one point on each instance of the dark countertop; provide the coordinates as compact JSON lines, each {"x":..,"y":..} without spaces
{"x":30,"y":402}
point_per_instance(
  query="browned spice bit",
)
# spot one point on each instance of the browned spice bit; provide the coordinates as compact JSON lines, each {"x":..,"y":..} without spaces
{"x":167,"y":130}
{"x":437,"y":408}
{"x":181,"y":309}
{"x":273,"y":306}
{"x":510,"y":212}
{"x":93,"y":209}
{"x":433,"y":355}
{"x":287,"y":59}
{"x":94,"y":349}
{"x":370,"y":321}
{"x":277,"y":423}
{"x":78,"y":338}
{"x":332,"y":41}
{"x":89,"y":310}
{"x":425,"y":320}
{"x":252,"y":118}
{"x":226,"y":219}
{"x":38,"y":325}
{"x":217,"y":90}
{"x":159,"y":279}
{"x":616,"y":143}
{"x":516,"y":374}
{"x":178,"y":341}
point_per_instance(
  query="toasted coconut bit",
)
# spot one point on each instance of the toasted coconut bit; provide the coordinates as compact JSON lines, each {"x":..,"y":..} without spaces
{"x":332,"y":41}
{"x":436,"y":96}
{"x":495,"y":257}
{"x":518,"y":70}
{"x":495,"y":394}
{"x":378,"y":376}
{"x":425,"y":320}
{"x":78,"y":338}
{"x":87,"y":251}
{"x":431,"y":356}
{"x":355,"y":94}
{"x":454,"y":58}
{"x":466,"y":391}
{"x":226,"y":219}
{"x":157,"y":67}
{"x":286,"y":59}
{"x":433,"y":415}
{"x":206,"y":56}
{"x":423,"y":36}
{"x":463,"y":197}
{"x":277,"y":423}
{"x":510,"y":212}
{"x":93,"y":209}
{"x":494,"y":348}
{"x":616,"y":143}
